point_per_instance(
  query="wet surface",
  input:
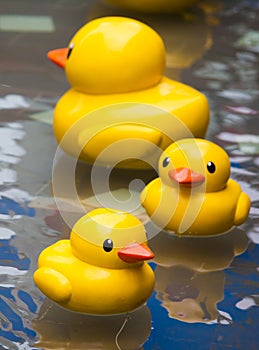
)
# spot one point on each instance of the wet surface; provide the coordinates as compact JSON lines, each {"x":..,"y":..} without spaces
{"x":206,"y":291}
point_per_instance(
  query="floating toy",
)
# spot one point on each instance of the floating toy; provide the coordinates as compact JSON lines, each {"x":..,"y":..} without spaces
{"x":186,"y":35}
{"x":193,"y":194}
{"x":118,"y":61}
{"x":102,"y":268}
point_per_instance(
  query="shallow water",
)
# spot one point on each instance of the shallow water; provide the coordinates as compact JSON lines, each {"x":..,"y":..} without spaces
{"x":206,"y":292}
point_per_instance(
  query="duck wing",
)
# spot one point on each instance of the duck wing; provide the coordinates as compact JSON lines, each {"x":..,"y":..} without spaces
{"x":53,"y":284}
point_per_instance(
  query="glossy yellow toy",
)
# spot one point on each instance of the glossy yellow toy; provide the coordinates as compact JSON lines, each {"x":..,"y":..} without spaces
{"x":101,"y":269}
{"x":193,"y":194}
{"x":115,"y":61}
{"x":186,"y":35}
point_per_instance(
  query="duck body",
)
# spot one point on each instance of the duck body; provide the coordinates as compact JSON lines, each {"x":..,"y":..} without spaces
{"x":91,"y":289}
{"x":218,"y":212}
{"x":110,"y":64}
{"x":171,"y":97}
{"x":73,"y":274}
{"x":211,"y":206}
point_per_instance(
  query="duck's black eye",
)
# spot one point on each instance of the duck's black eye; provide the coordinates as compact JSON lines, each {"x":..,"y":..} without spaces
{"x":211,"y":167}
{"x":166,"y":161}
{"x":71,"y":46}
{"x":107,"y":245}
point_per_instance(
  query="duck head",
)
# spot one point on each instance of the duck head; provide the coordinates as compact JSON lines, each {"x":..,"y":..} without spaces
{"x":111,"y":239}
{"x":99,"y":61}
{"x":195,"y":163}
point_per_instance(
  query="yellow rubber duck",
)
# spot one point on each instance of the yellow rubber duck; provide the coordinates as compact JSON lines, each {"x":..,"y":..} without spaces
{"x":102,"y":268}
{"x":119,"y":61}
{"x":193,"y":194}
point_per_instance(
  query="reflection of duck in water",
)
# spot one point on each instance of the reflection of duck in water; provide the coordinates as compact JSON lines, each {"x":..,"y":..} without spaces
{"x":187,"y":295}
{"x":193,"y":194}
{"x":200,"y":254}
{"x":101,"y":269}
{"x":62,"y":329}
{"x":189,"y":273}
{"x":118,"y":60}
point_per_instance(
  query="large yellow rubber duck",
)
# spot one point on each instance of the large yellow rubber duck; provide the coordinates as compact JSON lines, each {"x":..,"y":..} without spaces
{"x":193,"y":194}
{"x":101,"y":269}
{"x":118,"y":61}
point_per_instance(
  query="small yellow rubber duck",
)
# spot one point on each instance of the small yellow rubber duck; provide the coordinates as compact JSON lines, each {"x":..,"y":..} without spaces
{"x":119,"y":61}
{"x":193,"y":194}
{"x":102,"y":268}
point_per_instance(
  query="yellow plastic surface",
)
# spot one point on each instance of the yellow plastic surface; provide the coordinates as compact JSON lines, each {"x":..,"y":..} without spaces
{"x":206,"y":208}
{"x":117,"y":60}
{"x":80,"y":275}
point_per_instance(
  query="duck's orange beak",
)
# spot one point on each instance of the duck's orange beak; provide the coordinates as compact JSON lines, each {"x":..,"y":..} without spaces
{"x":58,"y":56}
{"x":185,"y":176}
{"x":135,"y":252}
